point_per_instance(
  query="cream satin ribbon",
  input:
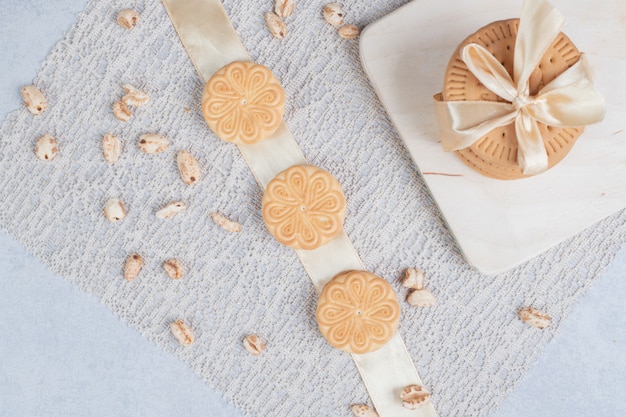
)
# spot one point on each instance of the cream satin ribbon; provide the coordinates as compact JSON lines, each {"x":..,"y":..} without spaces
{"x":570,"y":100}
{"x":211,"y":42}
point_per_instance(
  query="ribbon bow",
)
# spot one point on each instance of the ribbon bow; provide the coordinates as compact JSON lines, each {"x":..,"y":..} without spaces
{"x":570,"y":100}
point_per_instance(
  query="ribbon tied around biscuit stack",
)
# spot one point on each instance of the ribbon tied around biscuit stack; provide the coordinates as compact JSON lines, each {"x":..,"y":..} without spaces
{"x":570,"y":100}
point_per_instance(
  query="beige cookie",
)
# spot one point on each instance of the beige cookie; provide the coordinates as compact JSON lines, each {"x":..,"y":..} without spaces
{"x":358,"y":312}
{"x":243,"y":103}
{"x":495,"y":155}
{"x":304,"y":207}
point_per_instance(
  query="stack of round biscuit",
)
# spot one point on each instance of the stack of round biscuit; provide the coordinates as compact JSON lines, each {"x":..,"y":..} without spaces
{"x":495,"y":154}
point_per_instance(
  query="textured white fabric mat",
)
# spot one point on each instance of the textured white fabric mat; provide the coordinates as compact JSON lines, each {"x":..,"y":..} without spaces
{"x":470,"y":349}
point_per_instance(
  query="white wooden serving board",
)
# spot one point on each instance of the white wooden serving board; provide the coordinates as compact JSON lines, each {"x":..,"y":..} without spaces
{"x":500,"y":224}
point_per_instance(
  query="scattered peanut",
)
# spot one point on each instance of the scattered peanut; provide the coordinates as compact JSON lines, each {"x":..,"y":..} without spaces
{"x":114,"y":210}
{"x":111,"y":148}
{"x":534,"y":317}
{"x":284,"y":8}
{"x":151,"y":143}
{"x":34,"y":99}
{"x":174,"y":269}
{"x":189,"y":168}
{"x":414,"y":278}
{"x":133,"y":266}
{"x":121,"y":111}
{"x":134,"y":96}
{"x":171,"y":209}
{"x":414,"y":396}
{"x":363,"y":410}
{"x":349,"y":32}
{"x":182,"y":333}
{"x":127,"y":18}
{"x":275,"y":25}
{"x":421,"y":298}
{"x":333,"y":14}
{"x":46,"y":148}
{"x":226,"y":223}
{"x":253,"y":344}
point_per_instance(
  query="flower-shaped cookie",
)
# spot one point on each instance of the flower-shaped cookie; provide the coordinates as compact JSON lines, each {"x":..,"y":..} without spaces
{"x":358,"y":312}
{"x":304,"y":207}
{"x":243,"y":103}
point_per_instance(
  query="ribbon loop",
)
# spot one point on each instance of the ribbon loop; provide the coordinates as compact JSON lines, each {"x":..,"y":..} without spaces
{"x":570,"y":100}
{"x":489,"y":71}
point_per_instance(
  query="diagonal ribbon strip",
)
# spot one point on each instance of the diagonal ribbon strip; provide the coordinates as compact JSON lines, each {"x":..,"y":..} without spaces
{"x":211,"y":42}
{"x":570,"y":100}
